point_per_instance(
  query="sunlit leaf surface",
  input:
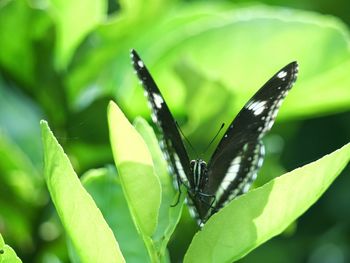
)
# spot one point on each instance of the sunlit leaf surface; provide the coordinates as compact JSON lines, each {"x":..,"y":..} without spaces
{"x":264,"y":212}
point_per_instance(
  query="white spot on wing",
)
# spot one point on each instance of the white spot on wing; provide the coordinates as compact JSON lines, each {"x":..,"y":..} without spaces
{"x":282,"y":74}
{"x":180,"y":169}
{"x":261,"y":156}
{"x":193,"y":212}
{"x":254,"y":176}
{"x":140,"y":63}
{"x":245,"y":182}
{"x":246,"y":187}
{"x":262,"y":149}
{"x":230,"y":176}
{"x":154,"y":118}
{"x":257,"y":107}
{"x":158,"y":100}
{"x":234,"y":169}
{"x":259,"y":111}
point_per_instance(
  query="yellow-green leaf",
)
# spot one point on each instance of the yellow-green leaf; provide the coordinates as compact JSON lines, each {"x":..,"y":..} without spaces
{"x":91,"y":236}
{"x":265,"y":212}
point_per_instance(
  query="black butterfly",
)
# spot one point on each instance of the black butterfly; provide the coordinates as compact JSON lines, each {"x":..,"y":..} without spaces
{"x":238,"y":156}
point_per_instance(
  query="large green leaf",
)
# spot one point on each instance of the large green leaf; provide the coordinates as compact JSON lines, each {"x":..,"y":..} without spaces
{"x":29,"y":24}
{"x":265,"y":212}
{"x":169,"y":215}
{"x":273,"y":28}
{"x":241,"y":66}
{"x":91,"y":237}
{"x":140,"y":184}
{"x":12,"y":105}
{"x":141,"y":10}
{"x":104,"y":186}
{"x":74,"y":20}
{"x":22,"y":187}
{"x":20,"y":181}
{"x":7,"y":254}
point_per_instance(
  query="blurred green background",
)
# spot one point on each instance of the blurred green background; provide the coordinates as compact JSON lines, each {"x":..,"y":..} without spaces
{"x":64,"y":60}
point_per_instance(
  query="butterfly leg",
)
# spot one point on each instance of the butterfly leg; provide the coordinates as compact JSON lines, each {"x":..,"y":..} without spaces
{"x":179,"y":195}
{"x":179,"y":183}
{"x":210,"y":205}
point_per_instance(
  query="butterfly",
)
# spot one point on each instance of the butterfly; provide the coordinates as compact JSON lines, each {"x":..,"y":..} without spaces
{"x":239,"y":155}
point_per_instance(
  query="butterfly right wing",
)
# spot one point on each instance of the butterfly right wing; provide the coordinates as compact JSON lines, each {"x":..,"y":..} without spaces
{"x":171,"y":142}
{"x":239,"y":154}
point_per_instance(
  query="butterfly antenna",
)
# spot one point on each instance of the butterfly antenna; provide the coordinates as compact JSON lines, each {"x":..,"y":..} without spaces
{"x":189,"y":143}
{"x":212,"y":140}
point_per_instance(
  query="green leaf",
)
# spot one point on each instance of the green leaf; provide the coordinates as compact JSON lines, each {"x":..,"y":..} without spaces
{"x":104,"y":186}
{"x":169,"y":216}
{"x":74,"y":20}
{"x":15,"y":220}
{"x":12,"y":105}
{"x":140,"y":184}
{"x":7,"y":254}
{"x":28,"y":23}
{"x":22,"y":189}
{"x":265,"y":212}
{"x":18,"y":167}
{"x":181,"y":31}
{"x":91,"y":237}
{"x":19,"y":173}
{"x":336,"y":77}
{"x":180,"y":41}
{"x":134,"y":8}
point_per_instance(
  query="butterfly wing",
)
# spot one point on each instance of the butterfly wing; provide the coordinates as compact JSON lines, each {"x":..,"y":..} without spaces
{"x":171,"y":142}
{"x":239,"y":154}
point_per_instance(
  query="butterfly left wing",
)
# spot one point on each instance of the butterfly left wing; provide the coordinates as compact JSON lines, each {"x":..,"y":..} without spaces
{"x":239,"y":154}
{"x":171,"y":143}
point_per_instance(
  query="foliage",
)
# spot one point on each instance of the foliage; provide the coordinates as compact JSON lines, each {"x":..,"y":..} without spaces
{"x":7,"y":254}
{"x":231,"y":233}
{"x":63,"y":61}
{"x":79,"y":215}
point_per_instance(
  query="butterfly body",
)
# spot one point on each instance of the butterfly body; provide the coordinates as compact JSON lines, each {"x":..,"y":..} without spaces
{"x":201,"y":199}
{"x":200,"y":176}
{"x":234,"y":164}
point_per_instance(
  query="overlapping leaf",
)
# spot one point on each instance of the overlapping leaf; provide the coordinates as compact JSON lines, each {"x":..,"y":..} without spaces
{"x":265,"y":212}
{"x":91,"y":237}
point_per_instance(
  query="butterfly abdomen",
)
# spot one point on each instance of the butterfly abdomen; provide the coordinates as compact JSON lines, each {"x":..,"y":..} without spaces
{"x":200,"y":175}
